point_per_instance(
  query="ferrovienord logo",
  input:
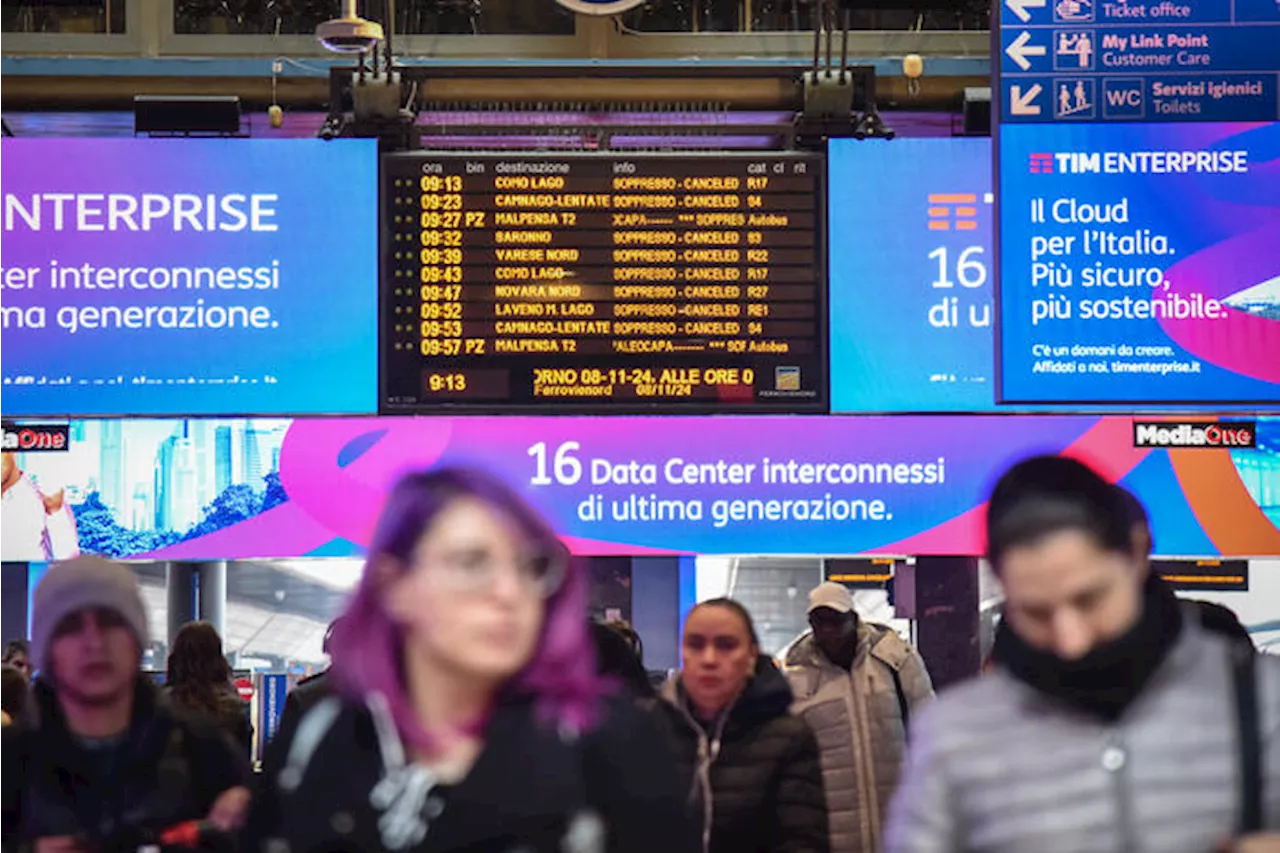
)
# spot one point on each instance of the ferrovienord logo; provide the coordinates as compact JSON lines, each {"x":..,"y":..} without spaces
{"x":1195,"y":435}
{"x":1042,"y":164}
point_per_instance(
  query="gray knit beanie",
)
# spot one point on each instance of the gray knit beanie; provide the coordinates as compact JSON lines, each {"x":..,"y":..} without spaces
{"x":85,"y":582}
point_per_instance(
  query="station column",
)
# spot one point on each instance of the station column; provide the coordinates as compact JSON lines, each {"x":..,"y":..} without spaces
{"x":213,"y":595}
{"x":947,"y":617}
{"x":15,"y":580}
{"x":180,"y":597}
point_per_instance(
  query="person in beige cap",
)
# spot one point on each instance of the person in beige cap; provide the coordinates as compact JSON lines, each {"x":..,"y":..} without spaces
{"x":102,"y":762}
{"x":856,"y":684}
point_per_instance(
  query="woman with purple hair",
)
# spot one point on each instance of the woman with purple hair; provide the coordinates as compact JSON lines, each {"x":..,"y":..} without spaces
{"x":468,"y":713}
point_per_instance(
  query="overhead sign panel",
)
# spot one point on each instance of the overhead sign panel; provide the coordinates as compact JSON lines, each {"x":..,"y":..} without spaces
{"x":861,"y":573}
{"x":1208,"y":575}
{"x":1138,"y":202}
{"x":1139,"y":60}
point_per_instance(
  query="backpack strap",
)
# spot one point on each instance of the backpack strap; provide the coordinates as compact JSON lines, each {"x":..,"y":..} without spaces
{"x":585,"y":831}
{"x":891,"y":651}
{"x":903,"y":707}
{"x":1245,"y":680}
{"x":307,"y":737}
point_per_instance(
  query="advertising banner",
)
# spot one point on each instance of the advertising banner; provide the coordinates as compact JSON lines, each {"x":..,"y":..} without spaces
{"x":189,"y":277}
{"x":911,"y":315}
{"x":1140,"y":263}
{"x":612,"y":486}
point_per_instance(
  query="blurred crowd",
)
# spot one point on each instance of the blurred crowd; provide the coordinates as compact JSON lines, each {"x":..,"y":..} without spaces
{"x":471,"y":706}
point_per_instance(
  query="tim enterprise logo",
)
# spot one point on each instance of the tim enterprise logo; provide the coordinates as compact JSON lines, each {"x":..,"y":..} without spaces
{"x":1138,"y":162}
{"x":42,"y":438}
{"x":1192,"y":434}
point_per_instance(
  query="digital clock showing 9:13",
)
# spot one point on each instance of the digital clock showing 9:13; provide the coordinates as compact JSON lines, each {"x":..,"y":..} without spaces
{"x":603,"y":283}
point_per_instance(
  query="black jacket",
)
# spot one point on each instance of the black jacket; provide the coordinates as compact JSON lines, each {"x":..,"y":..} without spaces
{"x":766,"y":793}
{"x":235,"y":716}
{"x":526,"y":785}
{"x":232,"y":716}
{"x":168,"y":768}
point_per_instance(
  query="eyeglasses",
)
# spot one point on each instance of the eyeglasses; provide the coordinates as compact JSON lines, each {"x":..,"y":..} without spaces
{"x":541,"y":573}
{"x":818,"y":619}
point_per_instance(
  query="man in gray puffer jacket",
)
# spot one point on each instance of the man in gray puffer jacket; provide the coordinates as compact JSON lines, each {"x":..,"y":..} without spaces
{"x":856,"y":684}
{"x":1110,"y":724}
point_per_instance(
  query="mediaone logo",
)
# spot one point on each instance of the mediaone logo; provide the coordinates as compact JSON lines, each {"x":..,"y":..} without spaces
{"x":1193,"y":434}
{"x":40,"y":438}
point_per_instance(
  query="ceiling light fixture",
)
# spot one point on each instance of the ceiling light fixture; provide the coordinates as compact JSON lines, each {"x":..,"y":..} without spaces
{"x":349,"y":33}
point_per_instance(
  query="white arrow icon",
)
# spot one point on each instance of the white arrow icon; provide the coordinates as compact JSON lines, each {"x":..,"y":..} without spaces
{"x":1024,"y":104}
{"x":1020,"y":50}
{"x":1020,"y":7}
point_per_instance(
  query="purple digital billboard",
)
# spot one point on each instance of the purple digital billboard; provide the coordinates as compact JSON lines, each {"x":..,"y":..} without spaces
{"x":214,"y":489}
{"x":189,"y":277}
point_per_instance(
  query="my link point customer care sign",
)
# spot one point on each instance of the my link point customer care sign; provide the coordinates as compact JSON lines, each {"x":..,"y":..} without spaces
{"x":198,"y":277}
{"x":1138,"y":193}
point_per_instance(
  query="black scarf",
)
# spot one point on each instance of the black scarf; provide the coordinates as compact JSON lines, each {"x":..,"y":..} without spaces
{"x":1107,"y":680}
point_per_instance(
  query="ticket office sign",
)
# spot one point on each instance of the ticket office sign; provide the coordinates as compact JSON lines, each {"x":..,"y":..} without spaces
{"x":1139,"y":60}
{"x":603,"y":283}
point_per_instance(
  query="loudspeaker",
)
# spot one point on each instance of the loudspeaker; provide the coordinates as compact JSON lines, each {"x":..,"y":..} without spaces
{"x":187,"y":114}
{"x":977,"y":111}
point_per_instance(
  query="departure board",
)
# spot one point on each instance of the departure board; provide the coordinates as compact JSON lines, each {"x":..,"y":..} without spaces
{"x":603,"y":282}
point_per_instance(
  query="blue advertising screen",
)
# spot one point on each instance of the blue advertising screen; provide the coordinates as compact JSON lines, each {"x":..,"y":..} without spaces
{"x":149,"y":277}
{"x":910,"y":289}
{"x":1140,"y":263}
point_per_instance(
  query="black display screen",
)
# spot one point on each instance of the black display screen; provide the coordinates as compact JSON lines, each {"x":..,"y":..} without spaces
{"x":603,"y":282}
{"x":1215,"y":575}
